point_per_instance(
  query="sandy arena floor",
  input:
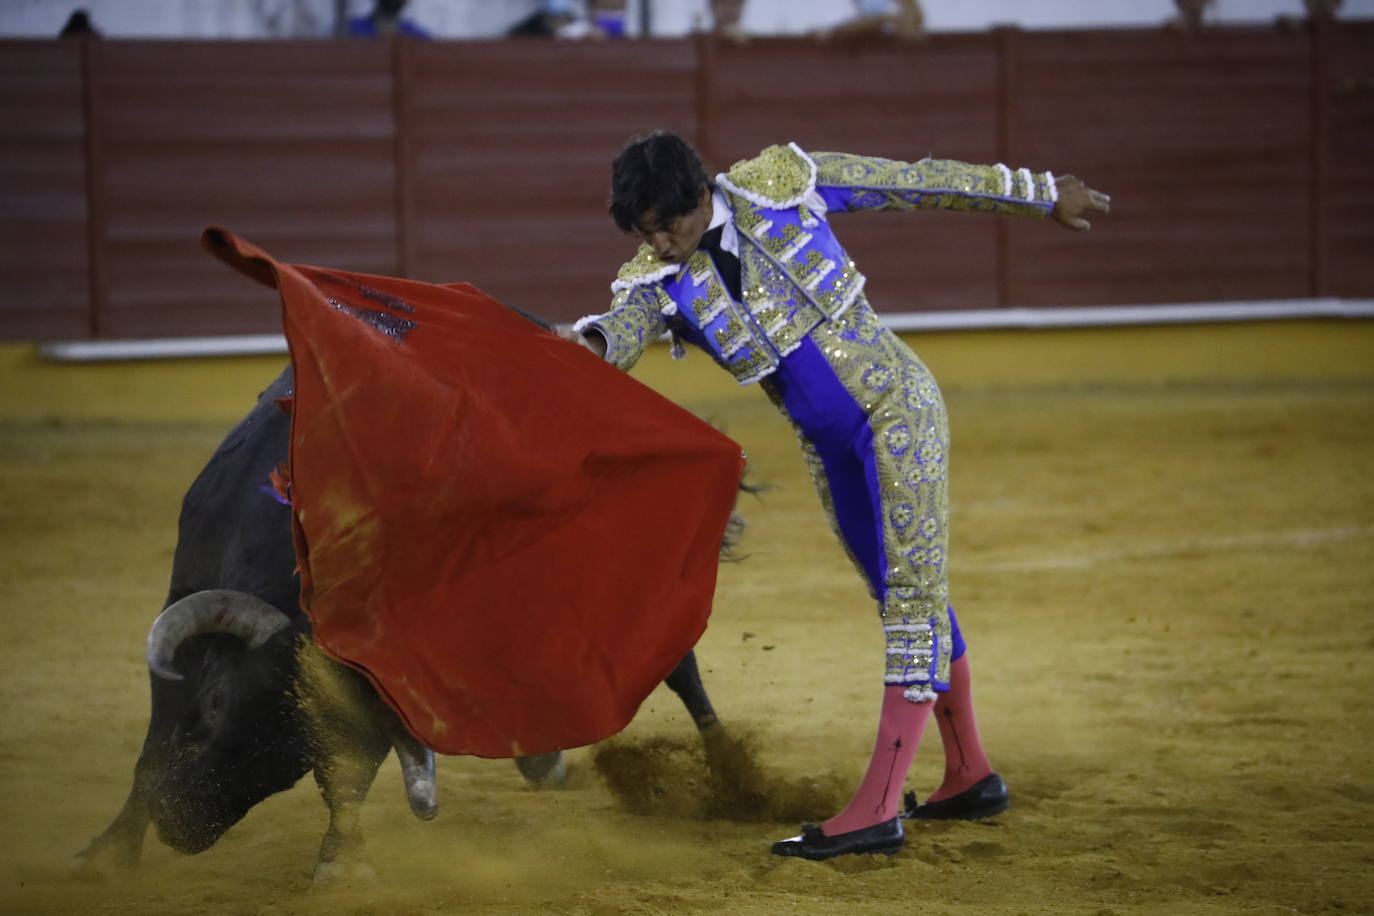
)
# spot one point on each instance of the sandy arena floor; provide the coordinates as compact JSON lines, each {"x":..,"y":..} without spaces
{"x":1168,"y":592}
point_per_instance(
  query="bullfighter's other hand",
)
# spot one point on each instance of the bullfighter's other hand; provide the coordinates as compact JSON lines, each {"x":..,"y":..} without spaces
{"x":594,"y":341}
{"x":1076,"y":199}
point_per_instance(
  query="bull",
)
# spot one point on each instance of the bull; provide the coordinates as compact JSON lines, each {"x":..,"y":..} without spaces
{"x":243,"y":705}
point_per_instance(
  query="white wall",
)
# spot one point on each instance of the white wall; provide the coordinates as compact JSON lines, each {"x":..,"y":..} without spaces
{"x":490,"y":18}
{"x":794,"y":16}
{"x":171,"y":18}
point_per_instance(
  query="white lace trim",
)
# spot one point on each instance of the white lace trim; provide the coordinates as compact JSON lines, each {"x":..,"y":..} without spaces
{"x":907,"y":628}
{"x":827,"y":268}
{"x":1006,"y":178}
{"x":757,"y":198}
{"x":712,"y":313}
{"x":667,"y":270}
{"x":917,"y":694}
{"x":1025,"y":175}
{"x":1052,"y":187}
{"x":762,"y":373}
{"x":801,"y":241}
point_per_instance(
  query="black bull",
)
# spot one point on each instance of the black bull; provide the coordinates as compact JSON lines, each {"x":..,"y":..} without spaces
{"x":241,"y":722}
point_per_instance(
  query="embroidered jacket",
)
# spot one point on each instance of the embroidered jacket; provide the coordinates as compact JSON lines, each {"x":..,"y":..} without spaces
{"x":795,"y":274}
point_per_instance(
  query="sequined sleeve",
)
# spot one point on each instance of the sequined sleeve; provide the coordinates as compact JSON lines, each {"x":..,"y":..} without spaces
{"x":848,"y":182}
{"x":634,"y":321}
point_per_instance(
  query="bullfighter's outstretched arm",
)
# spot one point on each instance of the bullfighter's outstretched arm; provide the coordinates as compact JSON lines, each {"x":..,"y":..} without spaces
{"x":790,"y":176}
{"x":847,"y":182}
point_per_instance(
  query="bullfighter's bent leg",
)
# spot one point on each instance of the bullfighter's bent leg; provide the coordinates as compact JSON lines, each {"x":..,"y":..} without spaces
{"x":970,"y":790}
{"x":852,"y":485}
{"x":966,"y":763}
{"x":883,"y":485}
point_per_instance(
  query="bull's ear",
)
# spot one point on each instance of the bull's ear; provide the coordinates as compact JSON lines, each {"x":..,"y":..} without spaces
{"x":217,"y":610}
{"x":245,"y":257}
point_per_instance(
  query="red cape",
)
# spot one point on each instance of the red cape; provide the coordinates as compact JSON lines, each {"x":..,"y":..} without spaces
{"x":515,"y":541}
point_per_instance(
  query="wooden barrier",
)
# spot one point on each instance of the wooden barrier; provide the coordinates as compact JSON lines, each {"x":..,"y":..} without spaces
{"x":1241,"y":163}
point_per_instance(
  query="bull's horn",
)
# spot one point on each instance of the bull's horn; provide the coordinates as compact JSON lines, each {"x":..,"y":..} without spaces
{"x":216,"y":610}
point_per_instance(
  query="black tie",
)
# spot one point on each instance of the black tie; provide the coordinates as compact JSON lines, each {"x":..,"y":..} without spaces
{"x":726,"y":262}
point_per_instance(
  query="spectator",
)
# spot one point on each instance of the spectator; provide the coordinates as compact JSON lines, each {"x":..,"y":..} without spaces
{"x":384,"y":21}
{"x":1322,"y":10}
{"x":609,"y":16}
{"x":725,"y":15}
{"x":573,"y":19}
{"x":1192,"y":14}
{"x":898,"y":18}
{"x":78,"y":24}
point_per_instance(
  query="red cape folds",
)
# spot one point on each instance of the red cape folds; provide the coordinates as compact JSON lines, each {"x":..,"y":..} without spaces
{"x":515,"y":541}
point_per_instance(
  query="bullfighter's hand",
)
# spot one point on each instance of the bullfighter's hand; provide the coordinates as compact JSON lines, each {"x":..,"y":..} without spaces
{"x":1075,"y":200}
{"x":594,"y":342}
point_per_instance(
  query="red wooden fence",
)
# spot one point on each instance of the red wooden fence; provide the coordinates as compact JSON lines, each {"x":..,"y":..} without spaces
{"x":1240,"y":161}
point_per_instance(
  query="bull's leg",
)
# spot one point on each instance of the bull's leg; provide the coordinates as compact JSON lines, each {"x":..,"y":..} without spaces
{"x":344,"y":778}
{"x":543,"y":770}
{"x":350,"y":736}
{"x":685,"y":681}
{"x":120,"y":846}
{"x":417,"y":766}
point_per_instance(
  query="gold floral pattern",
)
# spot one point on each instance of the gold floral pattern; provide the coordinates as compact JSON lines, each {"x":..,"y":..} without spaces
{"x":643,"y":268}
{"x":778,"y":177}
{"x":910,"y":441}
{"x":875,"y":183}
{"x":634,"y":321}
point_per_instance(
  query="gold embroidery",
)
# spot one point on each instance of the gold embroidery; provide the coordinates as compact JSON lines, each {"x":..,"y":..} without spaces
{"x":779,"y":177}
{"x":946,"y":184}
{"x":815,"y":267}
{"x":731,"y":337}
{"x":910,"y":437}
{"x":643,"y":268}
{"x":634,"y":321}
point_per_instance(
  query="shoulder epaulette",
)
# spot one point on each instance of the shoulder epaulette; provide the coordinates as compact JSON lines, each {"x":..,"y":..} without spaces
{"x":641,"y":270}
{"x":778,"y":177}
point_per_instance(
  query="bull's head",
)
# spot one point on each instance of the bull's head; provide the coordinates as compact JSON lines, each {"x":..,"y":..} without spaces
{"x":227,"y":733}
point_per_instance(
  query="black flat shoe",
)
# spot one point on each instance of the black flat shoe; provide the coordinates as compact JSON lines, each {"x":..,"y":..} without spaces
{"x":984,"y":798}
{"x":885,"y":838}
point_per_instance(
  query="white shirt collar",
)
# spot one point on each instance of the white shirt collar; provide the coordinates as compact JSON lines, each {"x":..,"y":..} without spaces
{"x":722,"y":215}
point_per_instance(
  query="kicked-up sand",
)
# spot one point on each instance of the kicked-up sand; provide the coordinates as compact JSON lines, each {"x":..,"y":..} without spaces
{"x":1163,"y":560}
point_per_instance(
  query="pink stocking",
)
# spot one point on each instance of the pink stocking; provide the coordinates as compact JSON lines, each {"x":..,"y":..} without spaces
{"x":965,"y":761}
{"x":879,"y":797}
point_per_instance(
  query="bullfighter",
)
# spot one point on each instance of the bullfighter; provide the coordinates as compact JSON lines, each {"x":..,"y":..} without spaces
{"x":747,"y":267}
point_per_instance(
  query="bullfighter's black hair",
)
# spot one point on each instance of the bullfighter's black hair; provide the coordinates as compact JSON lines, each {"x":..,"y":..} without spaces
{"x":658,"y":172}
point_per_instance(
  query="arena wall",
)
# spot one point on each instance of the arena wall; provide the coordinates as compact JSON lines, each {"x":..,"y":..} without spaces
{"x":1238,"y":161}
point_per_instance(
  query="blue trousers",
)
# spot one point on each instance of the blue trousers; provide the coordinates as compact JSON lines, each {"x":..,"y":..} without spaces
{"x":872,"y":426}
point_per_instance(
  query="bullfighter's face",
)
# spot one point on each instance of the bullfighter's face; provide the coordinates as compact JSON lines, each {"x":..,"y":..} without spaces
{"x":674,"y":240}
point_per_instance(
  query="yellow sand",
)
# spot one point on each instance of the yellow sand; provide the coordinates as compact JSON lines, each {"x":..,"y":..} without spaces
{"x":1163,"y":556}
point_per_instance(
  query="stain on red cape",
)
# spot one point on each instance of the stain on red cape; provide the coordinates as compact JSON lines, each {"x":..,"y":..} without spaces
{"x":515,"y":541}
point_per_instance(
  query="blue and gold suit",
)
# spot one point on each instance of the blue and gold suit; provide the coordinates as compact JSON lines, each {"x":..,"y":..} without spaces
{"x":867,"y":412}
